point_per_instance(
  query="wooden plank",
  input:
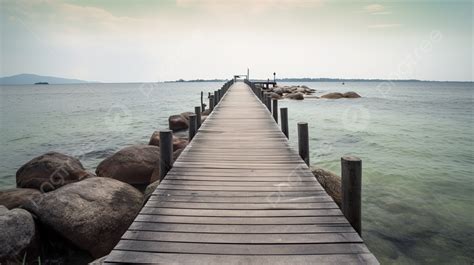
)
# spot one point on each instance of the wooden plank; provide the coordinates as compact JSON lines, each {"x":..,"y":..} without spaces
{"x":120,"y":256}
{"x":240,"y":249}
{"x":241,"y":206}
{"x":323,"y":197}
{"x":244,"y":238}
{"x":239,"y":213}
{"x":241,"y":229}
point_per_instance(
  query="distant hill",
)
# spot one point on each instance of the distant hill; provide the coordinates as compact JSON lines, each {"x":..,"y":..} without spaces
{"x":30,"y":79}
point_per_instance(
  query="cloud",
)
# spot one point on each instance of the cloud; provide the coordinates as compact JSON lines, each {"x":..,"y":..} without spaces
{"x":383,"y":26}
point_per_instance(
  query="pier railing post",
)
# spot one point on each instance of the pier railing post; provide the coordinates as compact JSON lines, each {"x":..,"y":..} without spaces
{"x":303,"y":141}
{"x":216,"y":98}
{"x":351,"y":178}
{"x":284,"y":121}
{"x":197,"y":111}
{"x":192,"y":126}
{"x":269,"y":102}
{"x":203,"y":108}
{"x":275,"y":110}
{"x":166,"y":152}
{"x":211,"y":102}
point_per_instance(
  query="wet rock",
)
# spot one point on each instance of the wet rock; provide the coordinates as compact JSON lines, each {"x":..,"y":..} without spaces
{"x":275,"y":95}
{"x":17,"y":235}
{"x":297,"y":96}
{"x":133,"y":165}
{"x":14,"y":198}
{"x":92,"y":214}
{"x":178,"y":142}
{"x":149,"y":191}
{"x":330,"y":182}
{"x":50,"y":171}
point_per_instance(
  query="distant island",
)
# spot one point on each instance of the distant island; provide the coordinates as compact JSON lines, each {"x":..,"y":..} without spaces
{"x":313,"y":79}
{"x":197,"y":80}
{"x":30,"y":79}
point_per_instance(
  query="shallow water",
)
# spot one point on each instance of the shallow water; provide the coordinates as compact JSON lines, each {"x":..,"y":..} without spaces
{"x":415,"y":140}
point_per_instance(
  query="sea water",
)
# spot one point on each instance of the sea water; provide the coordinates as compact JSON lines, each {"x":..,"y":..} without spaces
{"x":415,"y":140}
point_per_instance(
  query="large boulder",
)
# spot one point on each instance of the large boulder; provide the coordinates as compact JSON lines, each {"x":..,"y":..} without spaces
{"x":177,"y":123}
{"x":351,"y":94}
{"x":18,"y":235}
{"x":330,"y":182}
{"x":275,"y":95}
{"x":297,"y":96}
{"x":335,"y":95}
{"x":92,"y":214}
{"x":14,"y":198}
{"x":50,"y":171}
{"x":133,"y":165}
{"x":178,"y":142}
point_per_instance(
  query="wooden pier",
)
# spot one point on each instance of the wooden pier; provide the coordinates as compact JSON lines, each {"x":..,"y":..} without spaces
{"x":239,"y":194}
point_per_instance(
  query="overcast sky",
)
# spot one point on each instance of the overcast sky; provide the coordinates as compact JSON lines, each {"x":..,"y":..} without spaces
{"x":133,"y":41}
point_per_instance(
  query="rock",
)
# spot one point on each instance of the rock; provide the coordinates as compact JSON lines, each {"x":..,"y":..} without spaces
{"x":92,"y":214}
{"x":14,"y":198}
{"x":330,"y":182}
{"x":300,"y":89}
{"x":177,"y":122}
{"x":278,"y":90}
{"x":335,"y":95}
{"x":133,"y":165}
{"x":18,"y":235}
{"x":178,"y":143}
{"x":50,"y":171}
{"x":297,"y":96}
{"x":149,"y":190}
{"x":177,"y":153}
{"x":275,"y":95}
{"x":351,"y":94}
{"x":205,"y":113}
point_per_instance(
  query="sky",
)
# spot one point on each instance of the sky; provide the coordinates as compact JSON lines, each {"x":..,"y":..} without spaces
{"x":148,"y":41}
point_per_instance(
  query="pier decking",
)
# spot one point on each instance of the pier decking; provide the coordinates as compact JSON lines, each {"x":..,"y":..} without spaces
{"x":239,"y":194}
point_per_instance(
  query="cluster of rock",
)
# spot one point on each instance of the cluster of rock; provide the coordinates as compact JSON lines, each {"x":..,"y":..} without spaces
{"x":290,"y":92}
{"x":300,"y":92}
{"x":60,"y":213}
{"x":330,"y":182}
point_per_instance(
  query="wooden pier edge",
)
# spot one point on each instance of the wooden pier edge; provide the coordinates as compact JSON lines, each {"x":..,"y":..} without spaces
{"x":239,"y":194}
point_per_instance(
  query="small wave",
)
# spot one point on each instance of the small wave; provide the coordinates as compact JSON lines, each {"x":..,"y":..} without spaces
{"x":19,"y":139}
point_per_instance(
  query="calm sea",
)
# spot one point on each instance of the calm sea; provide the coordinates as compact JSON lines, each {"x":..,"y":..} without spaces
{"x":415,"y":140}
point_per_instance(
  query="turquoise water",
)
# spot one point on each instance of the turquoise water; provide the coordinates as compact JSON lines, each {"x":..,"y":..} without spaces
{"x":415,"y":140}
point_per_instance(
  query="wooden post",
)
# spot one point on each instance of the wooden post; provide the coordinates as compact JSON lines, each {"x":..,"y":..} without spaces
{"x":192,"y":126}
{"x":211,"y":102}
{"x":351,"y":177}
{"x":275,"y":109}
{"x":166,"y":152}
{"x":203,"y":108}
{"x":269,"y":102}
{"x":197,"y":111}
{"x":284,"y":121}
{"x":303,"y":141}
{"x":216,"y":98}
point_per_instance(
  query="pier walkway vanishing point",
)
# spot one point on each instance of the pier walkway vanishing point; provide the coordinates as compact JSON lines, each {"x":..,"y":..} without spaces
{"x":239,"y":194}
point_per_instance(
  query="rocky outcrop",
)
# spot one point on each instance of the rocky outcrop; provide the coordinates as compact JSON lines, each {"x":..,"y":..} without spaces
{"x":149,"y":190}
{"x":337,"y":95}
{"x":92,"y":214}
{"x":133,"y":165}
{"x":50,"y":171}
{"x":178,"y":143}
{"x":14,"y":198}
{"x":330,"y":182}
{"x":18,"y":235}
